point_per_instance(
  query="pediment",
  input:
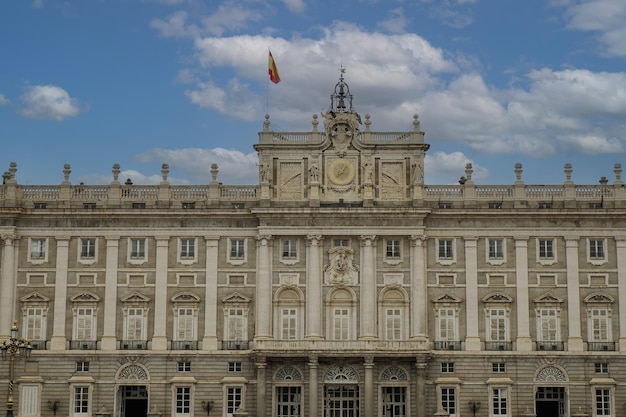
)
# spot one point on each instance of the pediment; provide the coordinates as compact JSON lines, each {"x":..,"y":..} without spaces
{"x":447,"y":298}
{"x":497,"y":297}
{"x":135,"y":298}
{"x":85,"y":297}
{"x":235,"y":298}
{"x":185,"y":297}
{"x":548,"y":298}
{"x":599,"y":298}
{"x":34,"y":297}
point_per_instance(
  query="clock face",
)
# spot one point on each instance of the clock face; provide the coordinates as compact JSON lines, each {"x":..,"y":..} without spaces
{"x":341,"y":171}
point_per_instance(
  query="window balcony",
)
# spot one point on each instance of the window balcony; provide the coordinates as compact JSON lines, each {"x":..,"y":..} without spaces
{"x":498,"y":345}
{"x":447,"y":345}
{"x":601,"y":346}
{"x":39,"y":344}
{"x":235,"y":344}
{"x":550,"y":346}
{"x":339,"y":346}
{"x":83,"y":344}
{"x":133,"y":344}
{"x":184,"y":345}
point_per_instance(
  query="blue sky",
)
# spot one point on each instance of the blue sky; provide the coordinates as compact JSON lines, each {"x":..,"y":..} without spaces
{"x":142,"y":82}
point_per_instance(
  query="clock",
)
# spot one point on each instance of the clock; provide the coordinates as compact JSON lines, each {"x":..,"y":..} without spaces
{"x":341,"y":171}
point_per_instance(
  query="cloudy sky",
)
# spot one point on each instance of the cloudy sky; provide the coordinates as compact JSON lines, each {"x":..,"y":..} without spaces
{"x":141,"y":82}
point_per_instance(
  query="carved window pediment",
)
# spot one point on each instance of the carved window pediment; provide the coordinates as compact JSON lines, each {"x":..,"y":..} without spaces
{"x":497,"y":298}
{"x":447,"y":298}
{"x":236,"y":298}
{"x":599,"y":298}
{"x":185,"y":297}
{"x":85,"y":297}
{"x":548,"y":298}
{"x":35,"y":297}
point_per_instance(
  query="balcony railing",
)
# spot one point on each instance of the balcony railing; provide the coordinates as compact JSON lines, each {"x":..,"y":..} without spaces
{"x":447,"y":345}
{"x":83,"y":344}
{"x":498,"y":345}
{"x":133,"y":344}
{"x":184,"y":345}
{"x":601,"y":346}
{"x":235,"y":345}
{"x":38,"y":344}
{"x":550,"y":346}
{"x":341,"y":345}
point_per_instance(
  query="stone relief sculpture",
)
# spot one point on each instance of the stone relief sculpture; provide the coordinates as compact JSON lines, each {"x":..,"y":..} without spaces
{"x":341,"y":270}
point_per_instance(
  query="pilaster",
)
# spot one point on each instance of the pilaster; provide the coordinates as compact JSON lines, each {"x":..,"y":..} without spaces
{"x":472,"y":340}
{"x":524,"y":342}
{"x":368,"y":288}
{"x":575,"y":340}
{"x":161,"y":310}
{"x":419,"y":289}
{"x":263,"y":289}
{"x":58,"y":339}
{"x":7,"y":285}
{"x":210,"y":315}
{"x":109,"y":338}
{"x":313,"y":365}
{"x":621,"y":289}
{"x":314,"y":288}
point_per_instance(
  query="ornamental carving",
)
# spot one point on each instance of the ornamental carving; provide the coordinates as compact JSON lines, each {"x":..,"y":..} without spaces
{"x":288,"y":373}
{"x":393,"y":373}
{"x":341,"y":373}
{"x":132,"y":372}
{"x":551,"y":374}
{"x":341,"y":270}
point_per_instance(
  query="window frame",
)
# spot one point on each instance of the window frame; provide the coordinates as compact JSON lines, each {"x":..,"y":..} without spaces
{"x":289,"y":251}
{"x":594,"y":246}
{"x":182,"y":400}
{"x":503,"y":401}
{"x":81,"y":398}
{"x":393,"y":251}
{"x":447,"y":390}
{"x":41,"y":256}
{"x":134,"y":256}
{"x":445,"y":251}
{"x":608,"y":401}
{"x":232,"y":405}
{"x":90,"y":246}
{"x":185,"y":246}
{"x":240,"y":251}
{"x":546,"y":251}
{"x":495,"y":251}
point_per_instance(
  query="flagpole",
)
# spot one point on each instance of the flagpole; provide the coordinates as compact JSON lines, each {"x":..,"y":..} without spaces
{"x":267,"y":89}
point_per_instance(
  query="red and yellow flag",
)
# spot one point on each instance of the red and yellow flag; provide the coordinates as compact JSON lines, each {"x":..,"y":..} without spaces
{"x":272,"y":70}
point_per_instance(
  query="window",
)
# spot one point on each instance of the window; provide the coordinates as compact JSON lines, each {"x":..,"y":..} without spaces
{"x":38,"y":249}
{"x":81,"y":401}
{"x":394,"y":250}
{"x":185,"y":328}
{"x":445,"y":205}
{"x":600,"y":325}
{"x":184,"y":366}
{"x":602,"y":368}
{"x":603,"y":401}
{"x":288,"y":401}
{"x":40,"y":205}
{"x":183,"y":401}
{"x":289,"y":313}
{"x":394,"y":401}
{"x":89,"y":206}
{"x":393,"y":324}
{"x":82,"y":366}
{"x":188,"y":205}
{"x":496,"y":249}
{"x":548,"y":324}
{"x":448,"y":400}
{"x":498,"y":367}
{"x":497,"y":325}
{"x":447,"y":367}
{"x":596,"y":249}
{"x":35,"y":328}
{"x":446,"y":249}
{"x":87,"y":248}
{"x":290,"y":249}
{"x":499,"y":406}
{"x":446,"y":324}
{"x":138,"y":249}
{"x":237,"y":249}
{"x":139,"y":205}
{"x":234,"y":397}
{"x":187,"y":248}
{"x":494,"y":205}
{"x":341,"y":242}
{"x":546,"y":249}
{"x":288,"y":323}
{"x":235,"y":322}
{"x":341,"y":324}
{"x":84,"y":323}
{"x":545,"y":205}
{"x":234,"y":366}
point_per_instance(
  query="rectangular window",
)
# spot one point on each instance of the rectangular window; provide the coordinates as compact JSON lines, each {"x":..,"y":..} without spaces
{"x":549,"y":324}
{"x":447,"y":367}
{"x":341,"y":242}
{"x":599,"y":325}
{"x":234,"y":395}
{"x":81,"y":401}
{"x":82,"y":366}
{"x":596,"y":249}
{"x":34,"y":324}
{"x":394,"y":249}
{"x":394,"y":402}
{"x":237,"y":249}
{"x":448,"y":400}
{"x":393,"y":324}
{"x":185,"y":324}
{"x":183,"y":401}
{"x":497,"y":325}
{"x":187,"y":248}
{"x":546,"y":249}
{"x":603,"y":402}
{"x":87,"y":248}
{"x":38,"y":249}
{"x":499,"y":406}
{"x":290,"y":249}
{"x":447,"y":325}
{"x":235,"y":324}
{"x":234,"y":366}
{"x":288,"y":401}
{"x":137,"y":248}
{"x":498,"y":367}
{"x":184,"y":366}
{"x":445,"y":249}
{"x":602,"y":368}
{"x":288,"y":323}
{"x":341,"y":324}
{"x":496,"y":248}
{"x":84,"y":323}
{"x":134,"y":324}
{"x":29,"y":400}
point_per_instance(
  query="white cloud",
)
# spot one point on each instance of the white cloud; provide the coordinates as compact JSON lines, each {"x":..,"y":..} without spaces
{"x":606,"y":17}
{"x":295,"y":6}
{"x":395,"y":23}
{"x":196,"y":163}
{"x":48,"y":102}
{"x":3,"y":100}
{"x":38,"y":4}
{"x":175,"y":26}
{"x":450,"y":167}
{"x":135,"y":176}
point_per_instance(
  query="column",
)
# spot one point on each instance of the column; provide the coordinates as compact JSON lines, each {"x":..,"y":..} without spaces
{"x":57,"y":342}
{"x":368,"y":302}
{"x":313,"y":288}
{"x":313,"y":388}
{"x":109,"y":338}
{"x":472,"y":339}
{"x":209,"y":342}
{"x":421,"y":387}
{"x":261,"y":394}
{"x":419,"y":289}
{"x":524,"y":342}
{"x":7,"y":286}
{"x":161,"y":310}
{"x":369,"y":386}
{"x":621,"y":289}
{"x":575,"y":340}
{"x":263,"y":300}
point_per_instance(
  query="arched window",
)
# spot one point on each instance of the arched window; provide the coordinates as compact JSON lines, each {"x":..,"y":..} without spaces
{"x":341,"y":314}
{"x":288,"y":313}
{"x":393,"y":316}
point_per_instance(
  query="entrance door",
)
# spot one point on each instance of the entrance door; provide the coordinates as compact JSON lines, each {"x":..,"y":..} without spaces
{"x":550,"y":402}
{"x":133,"y":400}
{"x":341,"y":400}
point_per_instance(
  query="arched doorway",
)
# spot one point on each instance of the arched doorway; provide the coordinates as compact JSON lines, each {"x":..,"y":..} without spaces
{"x":131,"y":396}
{"x":551,"y":392}
{"x":341,"y":392}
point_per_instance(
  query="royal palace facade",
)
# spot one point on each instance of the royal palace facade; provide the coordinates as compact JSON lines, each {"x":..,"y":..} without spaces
{"x":340,"y":285}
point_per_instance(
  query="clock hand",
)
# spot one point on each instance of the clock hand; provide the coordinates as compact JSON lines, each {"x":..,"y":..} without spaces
{"x":343,"y":168}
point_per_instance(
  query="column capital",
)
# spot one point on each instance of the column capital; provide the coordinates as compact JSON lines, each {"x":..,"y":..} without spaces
{"x":418,"y":240}
{"x":368,"y":361}
{"x":263,"y":240}
{"x":367,"y":240}
{"x":212,"y":241}
{"x":470,"y":241}
{"x":313,"y":361}
{"x":571,"y":241}
{"x":9,"y":239}
{"x":313,"y":240}
{"x":521,"y":241}
{"x":112,"y":240}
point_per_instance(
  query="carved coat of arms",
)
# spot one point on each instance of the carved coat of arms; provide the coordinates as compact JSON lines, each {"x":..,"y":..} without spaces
{"x":341,"y":270}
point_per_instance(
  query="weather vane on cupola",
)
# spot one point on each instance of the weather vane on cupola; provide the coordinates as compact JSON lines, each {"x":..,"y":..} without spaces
{"x":340,"y":95}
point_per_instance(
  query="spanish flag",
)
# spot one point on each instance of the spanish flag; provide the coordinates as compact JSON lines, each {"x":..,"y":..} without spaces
{"x":272,"y":70}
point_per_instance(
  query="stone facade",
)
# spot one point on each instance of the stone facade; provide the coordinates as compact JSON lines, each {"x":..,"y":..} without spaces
{"x":340,"y":285}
